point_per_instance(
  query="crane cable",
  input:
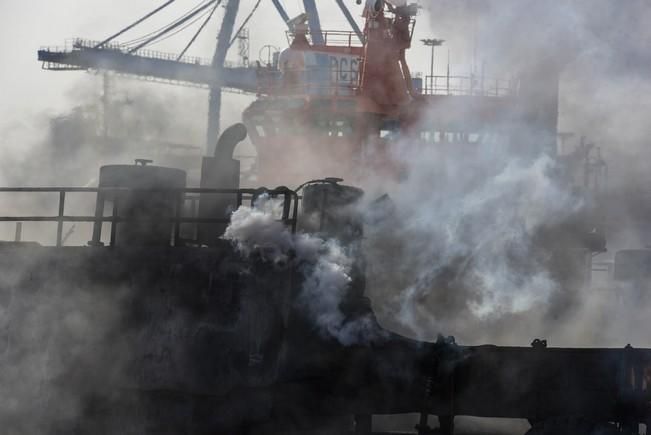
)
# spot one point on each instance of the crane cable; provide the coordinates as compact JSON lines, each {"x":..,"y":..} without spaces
{"x":194,"y":14}
{"x":246,"y":21}
{"x":172,"y":27}
{"x":160,"y":29}
{"x":176,"y":32}
{"x":196,"y":35}
{"x":132,"y":25}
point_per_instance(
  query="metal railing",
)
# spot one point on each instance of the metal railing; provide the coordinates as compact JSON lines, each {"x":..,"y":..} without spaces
{"x":181,"y":198}
{"x":334,"y":81}
{"x":61,"y":58}
{"x":469,"y":86}
{"x":333,"y":38}
{"x":87,"y":44}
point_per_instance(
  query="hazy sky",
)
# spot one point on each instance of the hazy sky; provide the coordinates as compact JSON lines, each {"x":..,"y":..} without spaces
{"x":27,"y":90}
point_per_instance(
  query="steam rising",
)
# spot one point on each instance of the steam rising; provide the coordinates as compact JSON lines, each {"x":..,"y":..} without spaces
{"x":466,"y":228}
{"x":326,"y":266}
{"x":468,"y":249}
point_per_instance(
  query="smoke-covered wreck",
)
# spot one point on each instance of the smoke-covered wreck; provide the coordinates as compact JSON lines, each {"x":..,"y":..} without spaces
{"x":172,"y":328}
{"x":222,"y":309}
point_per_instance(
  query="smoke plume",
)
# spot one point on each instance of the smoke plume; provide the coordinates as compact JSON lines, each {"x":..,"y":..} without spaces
{"x":466,"y":227}
{"x":469,"y":249}
{"x":326,"y":266}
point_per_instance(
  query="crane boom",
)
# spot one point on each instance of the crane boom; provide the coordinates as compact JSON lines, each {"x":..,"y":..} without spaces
{"x":84,"y":56}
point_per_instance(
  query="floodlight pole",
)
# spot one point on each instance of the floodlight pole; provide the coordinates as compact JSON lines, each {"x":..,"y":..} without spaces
{"x":433,"y":43}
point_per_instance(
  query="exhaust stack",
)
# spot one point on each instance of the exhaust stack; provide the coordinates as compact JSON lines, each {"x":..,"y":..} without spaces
{"x":221,"y":171}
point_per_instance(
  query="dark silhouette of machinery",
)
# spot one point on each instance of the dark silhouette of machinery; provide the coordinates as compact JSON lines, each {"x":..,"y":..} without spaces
{"x":208,"y":341}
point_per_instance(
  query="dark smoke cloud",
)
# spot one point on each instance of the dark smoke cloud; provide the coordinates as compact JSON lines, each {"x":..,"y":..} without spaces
{"x":49,"y":331}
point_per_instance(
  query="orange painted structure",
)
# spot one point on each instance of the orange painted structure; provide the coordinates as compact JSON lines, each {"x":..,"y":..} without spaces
{"x":335,"y":109}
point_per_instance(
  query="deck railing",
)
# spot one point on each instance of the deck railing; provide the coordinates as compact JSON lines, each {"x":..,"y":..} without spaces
{"x":182,"y":200}
{"x":455,"y":85}
{"x":79,"y":44}
{"x":332,"y":38}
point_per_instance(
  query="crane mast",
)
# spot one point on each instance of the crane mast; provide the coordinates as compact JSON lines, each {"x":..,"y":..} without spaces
{"x":223,"y":44}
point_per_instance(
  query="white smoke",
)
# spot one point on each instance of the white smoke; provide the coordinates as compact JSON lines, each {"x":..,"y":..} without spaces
{"x":257,"y":229}
{"x":461,"y":249}
{"x":461,"y":255}
{"x":326,"y":266}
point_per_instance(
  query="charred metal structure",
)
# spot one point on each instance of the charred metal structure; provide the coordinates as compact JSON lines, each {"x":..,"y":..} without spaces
{"x":207,"y":341}
{"x":185,"y":335}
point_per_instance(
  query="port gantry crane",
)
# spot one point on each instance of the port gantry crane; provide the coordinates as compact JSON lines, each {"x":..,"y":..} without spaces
{"x":133,"y":58}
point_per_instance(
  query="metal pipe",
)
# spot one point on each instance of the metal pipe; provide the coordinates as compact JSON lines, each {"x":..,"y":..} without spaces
{"x":229,"y":140}
{"x":448,"y":74}
{"x":18,"y":236}
{"x":294,"y":219}
{"x":114,"y":223}
{"x":96,"y":240}
{"x":431,"y":68}
{"x":62,"y":202}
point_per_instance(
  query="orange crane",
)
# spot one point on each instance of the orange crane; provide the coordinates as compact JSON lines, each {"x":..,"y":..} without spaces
{"x":134,"y":58}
